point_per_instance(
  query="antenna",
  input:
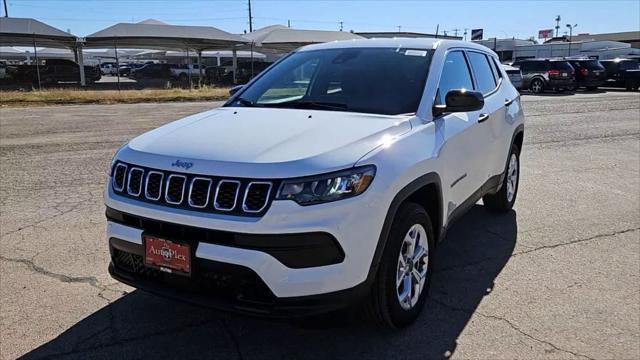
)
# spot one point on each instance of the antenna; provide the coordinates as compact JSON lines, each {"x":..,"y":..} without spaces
{"x":558,"y":19}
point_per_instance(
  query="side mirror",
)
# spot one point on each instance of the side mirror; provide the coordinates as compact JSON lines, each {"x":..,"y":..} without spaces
{"x":235,"y":89}
{"x":460,"y":100}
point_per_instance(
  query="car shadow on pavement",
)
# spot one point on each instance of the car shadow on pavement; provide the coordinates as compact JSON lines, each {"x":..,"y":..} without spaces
{"x":138,"y":325}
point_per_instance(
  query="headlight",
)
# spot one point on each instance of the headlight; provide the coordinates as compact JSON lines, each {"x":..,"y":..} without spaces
{"x":326,"y":188}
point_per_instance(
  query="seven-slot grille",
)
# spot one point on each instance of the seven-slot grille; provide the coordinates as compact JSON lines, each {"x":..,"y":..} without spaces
{"x":194,"y":192}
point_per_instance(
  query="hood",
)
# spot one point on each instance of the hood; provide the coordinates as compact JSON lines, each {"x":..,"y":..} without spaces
{"x":255,"y":141}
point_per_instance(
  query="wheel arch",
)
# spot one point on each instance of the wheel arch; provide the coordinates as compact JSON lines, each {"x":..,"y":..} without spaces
{"x":426,"y":191}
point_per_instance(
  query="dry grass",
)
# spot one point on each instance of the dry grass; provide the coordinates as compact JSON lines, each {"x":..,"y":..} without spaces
{"x":74,"y":96}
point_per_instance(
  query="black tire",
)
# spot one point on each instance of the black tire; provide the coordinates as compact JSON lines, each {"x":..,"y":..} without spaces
{"x":592,"y":88}
{"x":500,"y":201}
{"x":383,"y":305}
{"x":536,"y":86}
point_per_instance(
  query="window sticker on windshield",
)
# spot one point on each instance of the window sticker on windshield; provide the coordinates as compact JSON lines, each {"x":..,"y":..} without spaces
{"x":416,"y":52}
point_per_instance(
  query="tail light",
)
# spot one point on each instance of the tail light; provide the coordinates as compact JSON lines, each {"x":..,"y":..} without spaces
{"x":553,"y":72}
{"x":584,"y":72}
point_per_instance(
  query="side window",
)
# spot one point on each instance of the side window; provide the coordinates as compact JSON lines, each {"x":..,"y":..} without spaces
{"x":496,"y":68}
{"x":483,"y":72}
{"x":455,"y":75}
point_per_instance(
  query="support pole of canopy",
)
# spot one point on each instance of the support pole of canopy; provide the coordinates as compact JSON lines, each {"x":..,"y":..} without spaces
{"x":115,"y":48}
{"x":235,"y":65}
{"x":35,"y":54}
{"x":200,"y":68}
{"x":252,"y":60}
{"x":189,"y":66}
{"x":80,"y":57}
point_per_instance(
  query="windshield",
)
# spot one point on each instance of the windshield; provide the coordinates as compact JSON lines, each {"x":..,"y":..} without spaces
{"x":371,"y":80}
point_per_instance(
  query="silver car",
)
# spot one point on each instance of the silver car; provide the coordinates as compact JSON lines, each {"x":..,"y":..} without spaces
{"x":515,"y":75}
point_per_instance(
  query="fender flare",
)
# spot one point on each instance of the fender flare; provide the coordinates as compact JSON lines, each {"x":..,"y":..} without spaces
{"x":401,"y":196}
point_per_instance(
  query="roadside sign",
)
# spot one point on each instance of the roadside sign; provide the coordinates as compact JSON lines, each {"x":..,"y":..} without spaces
{"x":545,"y":34}
{"x":476,"y":34}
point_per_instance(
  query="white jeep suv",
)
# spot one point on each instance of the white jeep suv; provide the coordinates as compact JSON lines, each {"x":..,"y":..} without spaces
{"x":327,"y":180}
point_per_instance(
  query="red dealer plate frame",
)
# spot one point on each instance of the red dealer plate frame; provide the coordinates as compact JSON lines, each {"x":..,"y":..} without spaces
{"x":167,"y":255}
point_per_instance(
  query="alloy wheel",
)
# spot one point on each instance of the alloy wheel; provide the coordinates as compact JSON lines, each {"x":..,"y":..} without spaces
{"x":512,"y":177}
{"x":412,"y":266}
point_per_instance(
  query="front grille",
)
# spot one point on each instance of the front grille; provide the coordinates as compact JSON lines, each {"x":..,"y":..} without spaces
{"x":227,"y":195}
{"x":119,"y":175}
{"x":134,"y":182}
{"x":153,"y":187}
{"x":174,"y":194}
{"x":256,"y":195}
{"x":199,"y":192}
{"x":195,"y":192}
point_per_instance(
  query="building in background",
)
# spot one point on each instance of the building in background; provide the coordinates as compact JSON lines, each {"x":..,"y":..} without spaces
{"x":630,"y":37}
{"x":510,"y":50}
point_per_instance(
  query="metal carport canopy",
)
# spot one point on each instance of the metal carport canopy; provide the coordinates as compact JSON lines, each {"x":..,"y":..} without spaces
{"x":282,"y":38}
{"x":155,"y":35}
{"x":24,"y":31}
{"x":163,"y":37}
{"x":31,"y":32}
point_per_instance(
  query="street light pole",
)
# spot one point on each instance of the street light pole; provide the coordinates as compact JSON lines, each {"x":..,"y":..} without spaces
{"x":571,"y":35}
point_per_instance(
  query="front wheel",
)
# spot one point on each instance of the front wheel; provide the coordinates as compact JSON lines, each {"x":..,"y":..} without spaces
{"x":504,"y":199}
{"x":402,"y":283}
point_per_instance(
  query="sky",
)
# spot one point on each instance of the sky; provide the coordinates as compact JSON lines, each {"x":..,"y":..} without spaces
{"x":502,"y":19}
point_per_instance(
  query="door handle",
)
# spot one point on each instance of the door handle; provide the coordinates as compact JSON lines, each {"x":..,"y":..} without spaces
{"x":508,"y":102}
{"x":483,"y":118}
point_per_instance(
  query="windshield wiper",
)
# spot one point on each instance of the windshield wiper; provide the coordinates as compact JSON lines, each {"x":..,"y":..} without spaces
{"x":307,"y":104}
{"x":247,"y":102}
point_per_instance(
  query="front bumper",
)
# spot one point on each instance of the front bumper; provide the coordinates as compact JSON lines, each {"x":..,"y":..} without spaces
{"x":220,"y":286}
{"x":354,"y":223}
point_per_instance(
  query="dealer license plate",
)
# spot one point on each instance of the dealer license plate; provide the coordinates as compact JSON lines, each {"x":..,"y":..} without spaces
{"x":167,"y":255}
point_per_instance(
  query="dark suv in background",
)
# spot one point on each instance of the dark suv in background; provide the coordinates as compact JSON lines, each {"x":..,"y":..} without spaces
{"x":622,"y":73}
{"x":539,"y":75}
{"x":589,"y":73}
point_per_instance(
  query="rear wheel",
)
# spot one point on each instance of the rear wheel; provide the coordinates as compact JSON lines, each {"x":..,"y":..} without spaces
{"x":537,"y":86}
{"x":402,"y":283}
{"x":504,"y":199}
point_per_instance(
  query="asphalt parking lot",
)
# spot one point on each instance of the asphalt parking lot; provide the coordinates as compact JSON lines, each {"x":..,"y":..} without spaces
{"x":558,"y":277}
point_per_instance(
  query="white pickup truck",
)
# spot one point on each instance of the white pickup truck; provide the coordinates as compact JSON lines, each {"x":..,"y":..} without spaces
{"x":182,"y":71}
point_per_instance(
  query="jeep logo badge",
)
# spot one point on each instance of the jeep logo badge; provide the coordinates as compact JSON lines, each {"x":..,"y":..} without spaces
{"x":183,"y":164}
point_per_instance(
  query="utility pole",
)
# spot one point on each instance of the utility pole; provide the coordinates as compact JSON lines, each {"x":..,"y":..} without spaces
{"x":465,"y":34}
{"x":557,"y":24}
{"x":6,"y":12}
{"x":289,"y":23}
{"x":341,"y":25}
{"x":455,"y":32}
{"x":399,"y":28}
{"x":250,"y":18}
{"x":437,"y":29}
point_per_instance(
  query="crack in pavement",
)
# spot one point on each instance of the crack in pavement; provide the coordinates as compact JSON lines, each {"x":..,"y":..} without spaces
{"x":511,"y":325}
{"x":90,"y":280}
{"x":524,"y":252}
